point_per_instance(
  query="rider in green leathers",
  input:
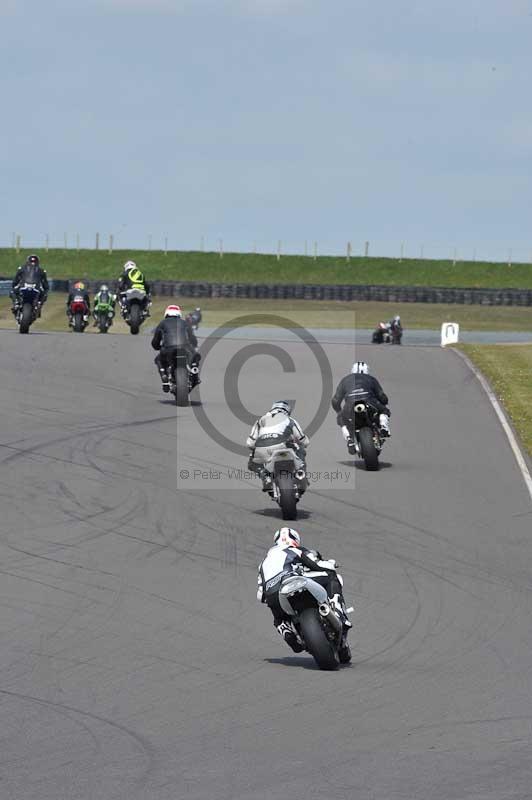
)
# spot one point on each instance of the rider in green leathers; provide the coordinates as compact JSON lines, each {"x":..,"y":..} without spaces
{"x":104,"y":300}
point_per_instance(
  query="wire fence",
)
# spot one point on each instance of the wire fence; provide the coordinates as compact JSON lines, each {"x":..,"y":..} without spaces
{"x":110,"y":242}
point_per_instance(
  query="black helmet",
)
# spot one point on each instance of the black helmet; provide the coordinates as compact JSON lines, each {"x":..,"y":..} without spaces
{"x":33,"y":260}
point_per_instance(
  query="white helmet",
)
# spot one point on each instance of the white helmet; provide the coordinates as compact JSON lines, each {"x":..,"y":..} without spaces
{"x":129,"y":265}
{"x":282,"y":405}
{"x":286,"y":537}
{"x":172,"y":311}
{"x":397,"y":318}
{"x":104,"y":288}
{"x":360,"y":368}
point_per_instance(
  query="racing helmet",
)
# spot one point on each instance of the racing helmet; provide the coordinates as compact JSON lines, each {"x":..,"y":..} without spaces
{"x":129,"y":265}
{"x":173,"y":311}
{"x":33,"y":260}
{"x":286,"y":537}
{"x":104,"y":288}
{"x":282,"y":405}
{"x":79,"y":285}
{"x":360,"y":368}
{"x":397,"y":319}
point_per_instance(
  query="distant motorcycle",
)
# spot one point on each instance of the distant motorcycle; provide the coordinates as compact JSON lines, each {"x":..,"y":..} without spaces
{"x":78,"y":313}
{"x":386,"y":333}
{"x":382,"y":334}
{"x":194,"y":318}
{"x":183,"y":377}
{"x":27,"y":305}
{"x":365,"y":430}
{"x":315,"y":618}
{"x":104,"y":313}
{"x":134,"y":307}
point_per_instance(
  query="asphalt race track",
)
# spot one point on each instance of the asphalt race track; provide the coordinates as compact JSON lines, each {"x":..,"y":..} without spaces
{"x":135,"y":660}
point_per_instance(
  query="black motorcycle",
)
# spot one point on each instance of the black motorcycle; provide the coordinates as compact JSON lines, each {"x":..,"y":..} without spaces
{"x":26,"y":305}
{"x":183,"y":376}
{"x":194,"y":318}
{"x":365,"y":430}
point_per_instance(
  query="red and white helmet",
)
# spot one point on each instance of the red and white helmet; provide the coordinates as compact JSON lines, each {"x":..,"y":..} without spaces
{"x":286,"y":537}
{"x":173,"y":311}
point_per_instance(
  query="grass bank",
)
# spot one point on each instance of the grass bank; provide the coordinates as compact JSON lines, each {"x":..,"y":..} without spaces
{"x":509,"y":370}
{"x":314,"y":314}
{"x":251,"y":268}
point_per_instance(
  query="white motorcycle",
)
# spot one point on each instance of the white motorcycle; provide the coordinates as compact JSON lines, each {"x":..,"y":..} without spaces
{"x":286,"y":472}
{"x":315,"y":618}
{"x":134,"y":307}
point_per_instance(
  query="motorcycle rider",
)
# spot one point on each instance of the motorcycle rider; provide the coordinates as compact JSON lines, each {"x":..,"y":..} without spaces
{"x":359,"y":385}
{"x":105,"y":297}
{"x":173,"y":332}
{"x":395,"y":328}
{"x":133,"y":278}
{"x":30,"y":272}
{"x":288,"y":556}
{"x":275,"y":426}
{"x":78,"y":289}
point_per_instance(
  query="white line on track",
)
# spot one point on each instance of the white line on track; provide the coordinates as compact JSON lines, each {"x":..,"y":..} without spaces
{"x":507,"y":428}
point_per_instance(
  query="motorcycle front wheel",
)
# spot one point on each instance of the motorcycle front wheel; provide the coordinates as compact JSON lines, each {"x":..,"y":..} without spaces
{"x":26,"y":318}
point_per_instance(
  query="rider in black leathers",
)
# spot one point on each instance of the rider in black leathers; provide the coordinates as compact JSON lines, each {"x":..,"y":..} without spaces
{"x":359,"y":385}
{"x":170,"y":334}
{"x":30,"y":272}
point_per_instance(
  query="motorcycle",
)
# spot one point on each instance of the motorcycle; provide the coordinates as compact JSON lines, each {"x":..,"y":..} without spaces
{"x":134,"y":307}
{"x":27,"y":306}
{"x":194,"y":318}
{"x":184,"y":376}
{"x":366,"y":433}
{"x":382,"y":334}
{"x":78,"y":313}
{"x":103,"y":314}
{"x":286,"y":474}
{"x":314,"y":617}
{"x":387,"y":334}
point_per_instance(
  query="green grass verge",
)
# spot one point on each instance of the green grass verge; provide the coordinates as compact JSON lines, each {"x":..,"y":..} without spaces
{"x":313,"y":313}
{"x":509,"y":370}
{"x":250,"y":268}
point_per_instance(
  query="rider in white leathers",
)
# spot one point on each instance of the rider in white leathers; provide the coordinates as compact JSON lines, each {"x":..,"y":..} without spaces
{"x":286,"y":556}
{"x":275,"y":427}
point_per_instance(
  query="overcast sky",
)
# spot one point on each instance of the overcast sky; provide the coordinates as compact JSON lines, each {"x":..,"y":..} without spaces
{"x":257,"y":120}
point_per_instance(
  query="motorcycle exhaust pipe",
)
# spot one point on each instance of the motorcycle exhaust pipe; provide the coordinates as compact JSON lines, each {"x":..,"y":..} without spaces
{"x":300,"y":474}
{"x":327,"y":613}
{"x":194,"y":370}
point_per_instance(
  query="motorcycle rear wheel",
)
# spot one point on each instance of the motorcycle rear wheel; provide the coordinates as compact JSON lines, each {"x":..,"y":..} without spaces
{"x":181,"y":387}
{"x":317,"y":643}
{"x":368,"y":449}
{"x":287,"y":496}
{"x":78,"y":322}
{"x":134,"y":319}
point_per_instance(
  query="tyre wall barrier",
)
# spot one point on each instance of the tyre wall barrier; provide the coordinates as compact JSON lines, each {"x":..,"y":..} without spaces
{"x":385,"y":294}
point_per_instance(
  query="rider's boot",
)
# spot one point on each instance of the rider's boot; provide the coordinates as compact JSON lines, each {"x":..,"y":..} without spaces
{"x":352,"y":446}
{"x":291,"y":638}
{"x":164,"y":379}
{"x":384,"y":425}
